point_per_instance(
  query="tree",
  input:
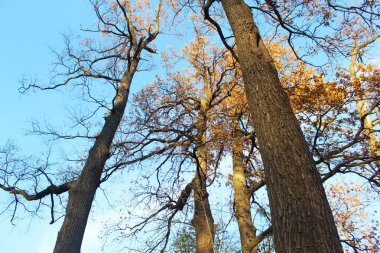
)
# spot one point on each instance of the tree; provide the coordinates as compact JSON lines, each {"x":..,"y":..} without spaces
{"x":82,"y":194}
{"x":185,"y":241}
{"x":242,"y":194}
{"x":366,"y":100}
{"x":334,"y":135}
{"x":115,"y":63}
{"x":171,"y":123}
{"x":297,"y":198}
{"x":234,"y":126}
{"x":186,"y":124}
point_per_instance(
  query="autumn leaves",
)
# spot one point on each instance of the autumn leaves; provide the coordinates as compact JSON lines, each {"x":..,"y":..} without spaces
{"x":287,"y":126}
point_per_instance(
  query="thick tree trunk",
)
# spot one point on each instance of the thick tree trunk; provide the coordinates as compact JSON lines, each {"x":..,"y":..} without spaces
{"x":81,"y":196}
{"x":203,"y":221}
{"x":242,"y":195}
{"x":301,"y":217}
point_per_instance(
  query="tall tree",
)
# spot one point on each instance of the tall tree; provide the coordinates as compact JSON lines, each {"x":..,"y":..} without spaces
{"x":133,"y":41}
{"x":301,"y":217}
{"x":172,"y":121}
{"x":246,"y":179}
{"x":129,"y":27}
{"x":248,"y":237}
{"x":82,"y":194}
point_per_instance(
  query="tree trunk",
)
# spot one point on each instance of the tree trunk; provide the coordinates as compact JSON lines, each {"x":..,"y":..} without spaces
{"x":203,"y":221}
{"x":301,"y":217}
{"x":81,"y":196}
{"x":361,"y":104}
{"x":369,"y":131}
{"x":242,"y":195}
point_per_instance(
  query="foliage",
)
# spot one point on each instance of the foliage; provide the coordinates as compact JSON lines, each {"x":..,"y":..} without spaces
{"x":185,"y":242}
{"x":198,"y":103}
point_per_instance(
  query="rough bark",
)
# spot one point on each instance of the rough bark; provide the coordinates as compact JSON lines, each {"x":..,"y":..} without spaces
{"x":241,"y":197}
{"x":301,"y":217}
{"x":82,"y":194}
{"x":203,"y":221}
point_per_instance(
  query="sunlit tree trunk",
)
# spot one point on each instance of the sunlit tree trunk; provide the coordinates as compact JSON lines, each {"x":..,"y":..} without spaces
{"x":301,"y":217}
{"x":203,"y":221}
{"x":362,"y":104}
{"x":241,"y":197}
{"x":82,"y":194}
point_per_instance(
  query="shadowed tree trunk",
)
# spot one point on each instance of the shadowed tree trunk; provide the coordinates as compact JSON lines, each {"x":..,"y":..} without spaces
{"x":130,"y":44}
{"x":203,"y":221}
{"x":301,"y":217}
{"x":82,"y":194}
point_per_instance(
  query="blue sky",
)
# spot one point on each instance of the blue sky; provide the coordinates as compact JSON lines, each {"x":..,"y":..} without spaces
{"x":29,"y":29}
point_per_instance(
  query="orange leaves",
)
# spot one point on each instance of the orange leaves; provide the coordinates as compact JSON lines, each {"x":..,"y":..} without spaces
{"x":368,"y":76}
{"x":139,"y":15}
{"x":310,"y":93}
{"x":356,"y":225}
{"x":307,"y":90}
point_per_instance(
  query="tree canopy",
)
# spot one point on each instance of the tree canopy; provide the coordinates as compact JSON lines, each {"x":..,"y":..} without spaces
{"x":258,"y":132}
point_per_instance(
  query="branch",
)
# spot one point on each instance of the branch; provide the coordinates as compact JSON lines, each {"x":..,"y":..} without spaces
{"x":206,"y":9}
{"x":52,"y":189}
{"x":263,"y":235}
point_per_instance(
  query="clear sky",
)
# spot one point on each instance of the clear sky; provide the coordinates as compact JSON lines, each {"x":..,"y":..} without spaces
{"x":28,"y":30}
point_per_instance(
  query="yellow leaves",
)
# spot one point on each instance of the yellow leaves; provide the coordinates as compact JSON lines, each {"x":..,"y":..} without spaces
{"x":140,"y":14}
{"x":197,"y":50}
{"x":369,"y":74}
{"x":306,"y":88}
{"x":114,"y":6}
{"x":365,"y":83}
{"x":349,"y":203}
{"x":193,"y":16}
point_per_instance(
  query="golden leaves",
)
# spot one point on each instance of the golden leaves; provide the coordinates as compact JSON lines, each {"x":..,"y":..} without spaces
{"x":348,"y":202}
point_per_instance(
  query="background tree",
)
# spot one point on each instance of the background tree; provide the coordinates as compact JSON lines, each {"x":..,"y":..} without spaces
{"x":357,"y":227}
{"x":171,"y":124}
{"x":185,"y":241}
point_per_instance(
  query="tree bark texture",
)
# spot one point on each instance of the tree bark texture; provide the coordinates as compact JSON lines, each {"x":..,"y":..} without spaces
{"x":203,"y":221}
{"x":241,"y":196}
{"x":301,"y":217}
{"x":82,"y":194}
